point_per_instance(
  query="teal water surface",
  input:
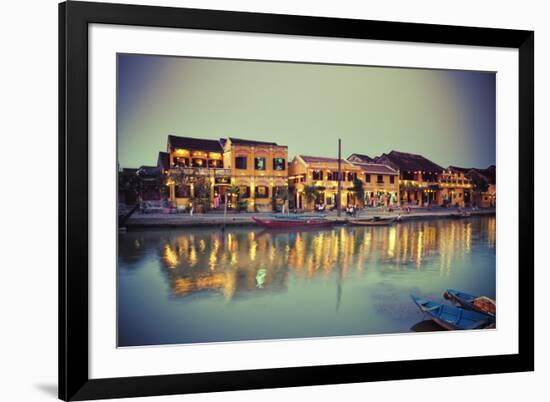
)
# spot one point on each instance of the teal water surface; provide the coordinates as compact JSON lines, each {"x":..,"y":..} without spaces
{"x":204,"y":285}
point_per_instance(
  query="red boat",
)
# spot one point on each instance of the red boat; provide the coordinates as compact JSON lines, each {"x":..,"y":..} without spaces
{"x":292,"y":223}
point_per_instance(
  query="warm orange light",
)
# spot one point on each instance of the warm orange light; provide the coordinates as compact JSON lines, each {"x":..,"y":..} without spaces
{"x":181,"y":152}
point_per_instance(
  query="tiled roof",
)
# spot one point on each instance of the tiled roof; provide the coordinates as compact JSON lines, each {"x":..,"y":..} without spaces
{"x":163,"y":160}
{"x":408,"y":162}
{"x":488,"y":174}
{"x":240,"y":141}
{"x":148,"y":171}
{"x":322,"y":162}
{"x":376,"y":168}
{"x":322,"y":159}
{"x":458,"y":169}
{"x":194,"y":144}
{"x":129,"y":171}
{"x":362,"y":158}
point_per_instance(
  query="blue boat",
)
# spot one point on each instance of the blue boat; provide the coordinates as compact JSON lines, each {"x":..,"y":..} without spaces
{"x":481,"y":304}
{"x":451,"y":317}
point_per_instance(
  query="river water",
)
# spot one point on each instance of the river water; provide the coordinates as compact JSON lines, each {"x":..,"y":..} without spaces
{"x":201,"y":285}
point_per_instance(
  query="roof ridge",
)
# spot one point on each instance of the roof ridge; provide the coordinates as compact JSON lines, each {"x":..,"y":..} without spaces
{"x":192,"y":138}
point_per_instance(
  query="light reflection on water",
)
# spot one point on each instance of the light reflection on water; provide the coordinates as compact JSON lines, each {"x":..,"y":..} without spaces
{"x":203,"y":285}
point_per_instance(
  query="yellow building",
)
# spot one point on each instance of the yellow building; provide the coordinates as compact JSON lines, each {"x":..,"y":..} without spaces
{"x":380,"y":184}
{"x":478,"y":179}
{"x":196,"y":172}
{"x":305,"y":172}
{"x":455,"y":189}
{"x":260,"y":171}
{"x":418,"y":177}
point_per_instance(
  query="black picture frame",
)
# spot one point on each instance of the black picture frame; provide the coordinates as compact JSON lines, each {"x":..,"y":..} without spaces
{"x":74,"y":18}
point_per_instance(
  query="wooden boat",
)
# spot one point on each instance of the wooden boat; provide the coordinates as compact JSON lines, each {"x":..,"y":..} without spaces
{"x":373,"y":222}
{"x":451,"y":317}
{"x":298,"y":217}
{"x":292,"y":223}
{"x":480,"y":304}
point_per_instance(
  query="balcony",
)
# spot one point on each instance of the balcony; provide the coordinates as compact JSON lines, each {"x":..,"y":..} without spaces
{"x":222,"y":172}
{"x":197,"y":171}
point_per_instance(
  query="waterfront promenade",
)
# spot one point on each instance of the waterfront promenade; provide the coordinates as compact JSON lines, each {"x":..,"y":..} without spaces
{"x":154,"y":220}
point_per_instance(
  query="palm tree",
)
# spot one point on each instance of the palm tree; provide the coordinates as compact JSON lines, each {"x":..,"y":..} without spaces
{"x":358,"y":190}
{"x":278,"y":194}
{"x":480,"y":186}
{"x":311,"y":193}
{"x":202,"y":191}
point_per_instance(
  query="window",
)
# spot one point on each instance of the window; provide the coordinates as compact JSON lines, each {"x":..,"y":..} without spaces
{"x":199,"y":162}
{"x":317,"y":175}
{"x":380,"y":179}
{"x":352,"y":176}
{"x":279,"y":164}
{"x":183,"y":191}
{"x":332,"y":176}
{"x":240,"y":162}
{"x":367,"y":178}
{"x":215,"y":163}
{"x":180,"y":161}
{"x":259,"y":163}
{"x":244,"y":191}
{"x":392,"y":179}
{"x":261,"y":192}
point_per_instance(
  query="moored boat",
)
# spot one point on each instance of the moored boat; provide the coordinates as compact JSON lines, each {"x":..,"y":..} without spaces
{"x":292,"y":223}
{"x":298,"y":217}
{"x":451,"y":317}
{"x":481,"y":304}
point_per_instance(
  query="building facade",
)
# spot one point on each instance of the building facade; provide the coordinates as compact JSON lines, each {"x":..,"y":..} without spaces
{"x":455,"y":188}
{"x":260,"y":171}
{"x":256,"y":176}
{"x":482,"y":185}
{"x":380,"y":184}
{"x":313,"y":181}
{"x":418,"y":177}
{"x":196,"y":175}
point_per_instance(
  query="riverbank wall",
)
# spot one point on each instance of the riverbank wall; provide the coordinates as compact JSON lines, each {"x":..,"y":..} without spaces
{"x":143,"y":221}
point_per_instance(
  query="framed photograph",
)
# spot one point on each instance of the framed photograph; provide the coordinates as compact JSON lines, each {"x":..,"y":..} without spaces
{"x":257,"y":200}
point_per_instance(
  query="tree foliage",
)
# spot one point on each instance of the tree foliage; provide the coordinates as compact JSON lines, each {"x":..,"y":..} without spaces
{"x":311,"y":193}
{"x":358,"y":189}
{"x":480,"y":185}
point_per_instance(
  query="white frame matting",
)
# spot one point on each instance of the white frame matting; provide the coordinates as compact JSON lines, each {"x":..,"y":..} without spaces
{"x":106,"y":360}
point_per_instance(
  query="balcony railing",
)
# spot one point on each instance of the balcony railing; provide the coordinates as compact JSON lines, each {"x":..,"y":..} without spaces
{"x":222,"y":172}
{"x":196,"y":171}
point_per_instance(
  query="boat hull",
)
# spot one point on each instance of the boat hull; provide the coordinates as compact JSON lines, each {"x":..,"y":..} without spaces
{"x":466,"y":301}
{"x":451,"y":317}
{"x":288,"y":224}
